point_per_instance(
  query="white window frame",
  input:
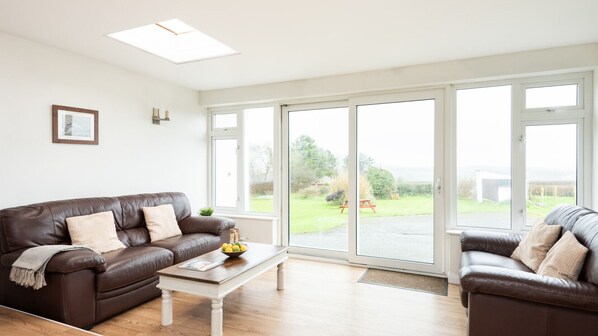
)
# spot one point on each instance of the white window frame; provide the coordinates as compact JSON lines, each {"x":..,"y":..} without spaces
{"x":521,"y":117}
{"x":213,"y":169}
{"x":437,"y":265}
{"x":223,"y":129}
{"x":565,"y":80}
{"x":222,"y":134}
{"x":285,"y":210}
{"x":238,"y":133}
{"x":579,"y":122}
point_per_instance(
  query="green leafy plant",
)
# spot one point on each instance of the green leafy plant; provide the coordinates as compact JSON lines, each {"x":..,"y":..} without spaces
{"x":207,"y":211}
{"x":382,"y":182}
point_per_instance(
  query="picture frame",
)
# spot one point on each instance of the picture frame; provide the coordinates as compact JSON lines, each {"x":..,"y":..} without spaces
{"x":73,"y":125}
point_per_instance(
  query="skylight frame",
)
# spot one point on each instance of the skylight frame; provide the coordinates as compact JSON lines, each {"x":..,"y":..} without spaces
{"x":165,"y":40}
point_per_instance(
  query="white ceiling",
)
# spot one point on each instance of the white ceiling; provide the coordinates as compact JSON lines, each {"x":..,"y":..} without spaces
{"x":282,"y":40}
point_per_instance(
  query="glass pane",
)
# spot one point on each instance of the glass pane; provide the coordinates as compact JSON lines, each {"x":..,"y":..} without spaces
{"x":318,"y":150}
{"x":228,"y":120}
{"x":550,"y":167}
{"x":225,"y":171}
{"x":396,"y":177}
{"x":484,"y":157}
{"x":551,"y":96}
{"x":259,"y":150}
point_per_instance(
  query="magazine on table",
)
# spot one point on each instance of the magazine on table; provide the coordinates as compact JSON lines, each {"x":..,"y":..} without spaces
{"x":200,"y":265}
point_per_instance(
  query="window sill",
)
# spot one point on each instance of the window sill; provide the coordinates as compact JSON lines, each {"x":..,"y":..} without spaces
{"x":245,"y":216}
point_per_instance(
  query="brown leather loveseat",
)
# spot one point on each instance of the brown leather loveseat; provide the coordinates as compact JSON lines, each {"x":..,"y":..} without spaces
{"x":504,"y":297}
{"x":84,"y":288}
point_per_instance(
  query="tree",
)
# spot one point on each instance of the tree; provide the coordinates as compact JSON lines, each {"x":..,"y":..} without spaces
{"x":260,"y":163}
{"x":382,"y":182}
{"x":260,"y":170}
{"x":365,"y":162}
{"x":309,"y":162}
{"x":301,"y":174}
{"x":320,"y":160}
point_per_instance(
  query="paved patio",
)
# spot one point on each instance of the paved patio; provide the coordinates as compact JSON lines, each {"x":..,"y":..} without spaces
{"x":400,"y":237}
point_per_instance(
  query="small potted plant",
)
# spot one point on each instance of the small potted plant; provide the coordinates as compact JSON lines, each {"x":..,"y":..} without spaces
{"x":207,"y":211}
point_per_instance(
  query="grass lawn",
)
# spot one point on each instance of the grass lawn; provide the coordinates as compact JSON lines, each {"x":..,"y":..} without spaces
{"x":314,"y":214}
{"x":539,"y":207}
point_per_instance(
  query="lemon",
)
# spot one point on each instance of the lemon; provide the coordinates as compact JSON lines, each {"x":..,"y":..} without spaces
{"x":225,"y":245}
{"x":243,"y":248}
{"x":236,"y":248}
{"x":228,"y":249}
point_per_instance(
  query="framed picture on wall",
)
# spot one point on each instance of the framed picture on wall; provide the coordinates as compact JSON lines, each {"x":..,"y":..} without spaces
{"x":74,"y":125}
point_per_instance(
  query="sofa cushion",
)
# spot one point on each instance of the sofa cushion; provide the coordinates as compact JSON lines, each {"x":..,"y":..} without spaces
{"x":161,"y":222}
{"x":137,"y":236}
{"x":132,"y":206}
{"x":565,"y":258}
{"x":189,"y":246}
{"x":45,"y":223}
{"x":479,"y":258}
{"x":132,"y":264}
{"x":96,"y":231}
{"x":533,"y":247}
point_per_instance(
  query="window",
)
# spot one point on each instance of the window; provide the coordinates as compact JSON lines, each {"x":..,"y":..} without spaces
{"x":516,"y":159}
{"x":551,"y":96}
{"x":550,"y":168}
{"x":243,"y":152}
{"x":224,"y":120}
{"x":225,"y":172}
{"x":484,"y":157}
{"x":259,"y":149}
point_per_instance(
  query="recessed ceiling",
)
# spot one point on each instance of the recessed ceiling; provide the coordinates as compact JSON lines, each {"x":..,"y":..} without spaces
{"x":288,"y":40}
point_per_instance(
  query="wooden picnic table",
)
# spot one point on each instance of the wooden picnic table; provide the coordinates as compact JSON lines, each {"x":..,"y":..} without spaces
{"x":363,"y":203}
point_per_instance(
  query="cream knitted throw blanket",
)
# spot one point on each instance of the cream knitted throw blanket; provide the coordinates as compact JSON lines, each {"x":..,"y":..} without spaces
{"x":28,"y":270}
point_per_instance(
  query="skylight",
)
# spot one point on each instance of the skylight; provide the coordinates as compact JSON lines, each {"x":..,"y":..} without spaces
{"x":175,"y":41}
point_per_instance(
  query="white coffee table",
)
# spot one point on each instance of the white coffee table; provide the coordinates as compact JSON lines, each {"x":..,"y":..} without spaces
{"x":221,"y":280}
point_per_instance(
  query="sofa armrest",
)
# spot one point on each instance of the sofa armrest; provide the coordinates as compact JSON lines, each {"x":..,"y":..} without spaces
{"x":206,"y":224}
{"x":64,"y":262}
{"x":529,"y":286}
{"x":488,"y":241}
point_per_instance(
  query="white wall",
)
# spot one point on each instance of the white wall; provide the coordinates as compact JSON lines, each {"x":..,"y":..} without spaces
{"x":133,"y":155}
{"x":554,"y":60}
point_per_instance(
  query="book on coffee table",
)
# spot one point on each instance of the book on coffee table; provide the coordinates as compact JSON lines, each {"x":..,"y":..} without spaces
{"x":200,"y":265}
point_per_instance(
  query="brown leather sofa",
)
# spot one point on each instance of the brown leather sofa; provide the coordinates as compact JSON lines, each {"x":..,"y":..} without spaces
{"x":84,"y":288}
{"x":504,"y":297}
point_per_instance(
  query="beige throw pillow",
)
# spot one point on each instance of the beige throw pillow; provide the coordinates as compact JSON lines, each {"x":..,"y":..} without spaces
{"x":97,"y":231}
{"x":534,"y":246}
{"x":565,"y":259}
{"x":161,"y":222}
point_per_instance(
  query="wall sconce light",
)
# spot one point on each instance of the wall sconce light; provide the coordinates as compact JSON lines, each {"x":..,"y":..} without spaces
{"x":156,"y":116}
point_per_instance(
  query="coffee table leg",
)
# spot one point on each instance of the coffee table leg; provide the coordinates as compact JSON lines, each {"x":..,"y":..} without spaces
{"x":280,"y":276}
{"x":216,"y":317}
{"x":166,"y":307}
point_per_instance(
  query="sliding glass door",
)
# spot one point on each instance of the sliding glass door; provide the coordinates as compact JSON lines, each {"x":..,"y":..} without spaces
{"x":316,"y":154}
{"x":364,"y":180}
{"x":398,"y":209}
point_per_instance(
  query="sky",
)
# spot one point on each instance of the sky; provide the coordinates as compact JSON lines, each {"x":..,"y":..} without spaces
{"x":396,"y":134}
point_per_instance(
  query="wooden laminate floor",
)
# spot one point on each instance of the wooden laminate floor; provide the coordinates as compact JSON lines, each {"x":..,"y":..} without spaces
{"x":319,"y":299}
{"x":17,"y":323}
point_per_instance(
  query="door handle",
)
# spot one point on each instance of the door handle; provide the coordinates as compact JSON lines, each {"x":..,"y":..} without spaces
{"x":438,"y":185}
